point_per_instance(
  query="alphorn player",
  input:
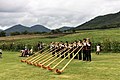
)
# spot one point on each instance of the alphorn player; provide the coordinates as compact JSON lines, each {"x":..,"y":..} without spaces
{"x":84,"y":49}
{"x":71,"y":49}
{"x":75,"y":46}
{"x":52,"y":46}
{"x":62,"y":46}
{"x":56,"y":48}
{"x":80,"y":44}
{"x":88,"y":49}
{"x":66,"y":46}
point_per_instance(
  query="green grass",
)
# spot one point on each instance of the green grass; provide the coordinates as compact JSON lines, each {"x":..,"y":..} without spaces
{"x":105,"y":66}
{"x":95,"y":35}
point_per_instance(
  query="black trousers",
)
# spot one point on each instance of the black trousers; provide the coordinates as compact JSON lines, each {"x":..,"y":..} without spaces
{"x":75,"y":52}
{"x":80,"y":55}
{"x":58,"y":51}
{"x":88,"y":55}
{"x":66,"y":54}
{"x":84,"y":55}
{"x":63,"y":53}
{"x":71,"y":55}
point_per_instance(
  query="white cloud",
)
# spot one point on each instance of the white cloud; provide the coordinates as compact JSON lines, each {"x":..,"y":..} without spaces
{"x":53,"y":13}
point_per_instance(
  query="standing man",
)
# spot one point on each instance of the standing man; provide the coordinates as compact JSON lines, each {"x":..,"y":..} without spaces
{"x":84,"y":49}
{"x":88,"y":44}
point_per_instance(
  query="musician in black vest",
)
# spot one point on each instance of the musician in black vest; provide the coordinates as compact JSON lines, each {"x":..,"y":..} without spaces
{"x":84,"y":49}
{"x":88,"y":49}
{"x":75,"y":52}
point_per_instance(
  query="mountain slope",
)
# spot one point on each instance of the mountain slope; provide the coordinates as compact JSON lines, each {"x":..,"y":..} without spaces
{"x":39,"y":28}
{"x":102,"y":22}
{"x":21,"y":28}
{"x":17,"y":28}
{"x":1,"y":30}
{"x":65,"y":28}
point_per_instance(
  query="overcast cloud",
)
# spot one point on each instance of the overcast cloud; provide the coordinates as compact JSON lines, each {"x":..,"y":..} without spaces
{"x":53,"y":13}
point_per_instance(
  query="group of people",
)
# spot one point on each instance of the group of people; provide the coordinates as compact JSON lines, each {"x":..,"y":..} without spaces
{"x":26,"y":52}
{"x":69,"y":50}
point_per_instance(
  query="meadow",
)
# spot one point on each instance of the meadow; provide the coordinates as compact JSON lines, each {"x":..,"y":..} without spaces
{"x":105,"y":66}
{"x":94,"y":35}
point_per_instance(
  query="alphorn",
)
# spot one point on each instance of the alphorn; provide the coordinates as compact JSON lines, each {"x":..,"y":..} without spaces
{"x":40,"y":64}
{"x":35,"y":62}
{"x":51,"y":69}
{"x":61,"y":70}
{"x":41,"y":57}
{"x":24,"y":60}
{"x":47,"y":67}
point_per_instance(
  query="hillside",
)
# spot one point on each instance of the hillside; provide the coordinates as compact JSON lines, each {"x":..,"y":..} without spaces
{"x":16,"y":28}
{"x":65,"y":28}
{"x":1,"y":30}
{"x":102,"y":22}
{"x":21,"y":28}
{"x":39,"y":28}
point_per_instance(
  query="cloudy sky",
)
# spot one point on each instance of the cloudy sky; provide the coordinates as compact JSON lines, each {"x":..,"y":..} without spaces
{"x":53,"y":13}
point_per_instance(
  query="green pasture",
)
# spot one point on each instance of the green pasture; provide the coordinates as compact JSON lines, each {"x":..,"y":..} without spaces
{"x":105,"y":66}
{"x":94,"y":35}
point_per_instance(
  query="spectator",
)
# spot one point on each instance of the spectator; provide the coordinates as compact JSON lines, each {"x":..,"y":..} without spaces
{"x":98,"y":49}
{"x":0,"y":53}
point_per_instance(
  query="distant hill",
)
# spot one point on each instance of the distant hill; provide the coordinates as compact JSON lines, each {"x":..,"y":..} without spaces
{"x":102,"y":22}
{"x":17,"y":28}
{"x":39,"y":28}
{"x":65,"y":28}
{"x":21,"y":28}
{"x":1,"y":30}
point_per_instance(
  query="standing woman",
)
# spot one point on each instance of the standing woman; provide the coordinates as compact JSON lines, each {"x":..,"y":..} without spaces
{"x":88,"y":57}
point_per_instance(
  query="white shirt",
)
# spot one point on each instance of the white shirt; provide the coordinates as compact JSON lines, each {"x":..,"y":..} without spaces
{"x":98,"y":48}
{"x":0,"y":50}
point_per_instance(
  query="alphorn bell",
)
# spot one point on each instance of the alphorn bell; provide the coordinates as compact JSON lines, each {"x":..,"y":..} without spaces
{"x":61,"y":70}
{"x":51,"y":69}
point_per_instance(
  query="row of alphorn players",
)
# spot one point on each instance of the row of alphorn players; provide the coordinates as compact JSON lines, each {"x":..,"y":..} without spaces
{"x":84,"y":54}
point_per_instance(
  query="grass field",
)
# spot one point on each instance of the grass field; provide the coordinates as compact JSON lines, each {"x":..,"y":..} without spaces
{"x":105,"y":66}
{"x":94,"y":35}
